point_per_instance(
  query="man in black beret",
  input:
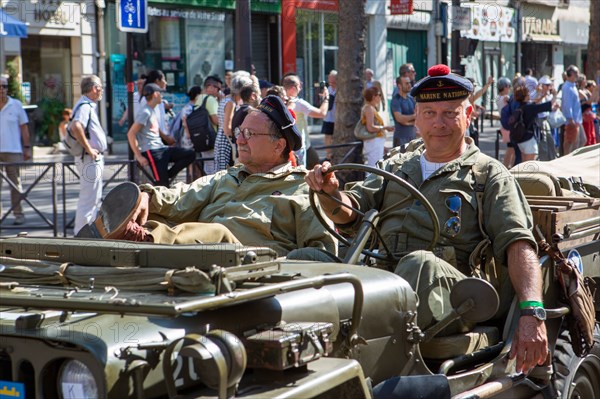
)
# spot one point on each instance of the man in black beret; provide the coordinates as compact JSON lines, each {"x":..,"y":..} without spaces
{"x":261,"y":201}
{"x":463,"y":186}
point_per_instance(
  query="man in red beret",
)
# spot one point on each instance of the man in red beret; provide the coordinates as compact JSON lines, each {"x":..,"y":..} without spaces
{"x":461,"y":183}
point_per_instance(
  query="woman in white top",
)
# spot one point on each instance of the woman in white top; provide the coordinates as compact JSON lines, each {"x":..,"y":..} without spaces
{"x":373,"y":148}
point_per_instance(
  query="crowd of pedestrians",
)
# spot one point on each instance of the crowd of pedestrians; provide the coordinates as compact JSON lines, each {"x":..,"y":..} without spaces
{"x":558,"y":120}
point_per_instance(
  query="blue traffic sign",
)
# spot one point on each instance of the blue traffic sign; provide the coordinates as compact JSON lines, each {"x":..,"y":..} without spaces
{"x":132,"y":16}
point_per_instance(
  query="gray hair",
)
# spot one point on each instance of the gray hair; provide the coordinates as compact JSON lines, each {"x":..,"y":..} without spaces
{"x":503,"y":83}
{"x":238,"y":80}
{"x":88,"y":83}
{"x":333,"y":72}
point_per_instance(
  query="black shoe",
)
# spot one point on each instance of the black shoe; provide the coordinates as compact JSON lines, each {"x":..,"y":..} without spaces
{"x":115,"y":213}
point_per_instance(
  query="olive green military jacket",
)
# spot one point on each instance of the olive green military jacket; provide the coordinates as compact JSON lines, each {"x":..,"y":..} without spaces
{"x":264,"y":209}
{"x":507,"y":217}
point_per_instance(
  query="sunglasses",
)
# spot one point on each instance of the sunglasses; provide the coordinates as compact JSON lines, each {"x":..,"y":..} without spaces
{"x":4,"y":86}
{"x":452,"y":225}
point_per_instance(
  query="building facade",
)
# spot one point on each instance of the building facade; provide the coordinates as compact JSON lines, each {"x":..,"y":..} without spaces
{"x":188,"y":40}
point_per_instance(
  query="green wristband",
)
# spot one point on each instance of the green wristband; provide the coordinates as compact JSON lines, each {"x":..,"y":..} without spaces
{"x":531,"y":304}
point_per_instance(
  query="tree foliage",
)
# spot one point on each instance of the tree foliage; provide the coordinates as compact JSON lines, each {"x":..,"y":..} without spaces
{"x":14,"y":87}
{"x":351,"y":55}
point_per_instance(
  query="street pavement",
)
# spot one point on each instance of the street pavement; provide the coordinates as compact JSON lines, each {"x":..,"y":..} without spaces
{"x":43,"y":182}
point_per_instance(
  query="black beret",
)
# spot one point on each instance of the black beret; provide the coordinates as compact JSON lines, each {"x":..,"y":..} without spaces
{"x":276,"y":110}
{"x":441,"y":85}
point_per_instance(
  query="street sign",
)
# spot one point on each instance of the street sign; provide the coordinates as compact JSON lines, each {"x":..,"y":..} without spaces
{"x":461,"y":18}
{"x":132,"y":16}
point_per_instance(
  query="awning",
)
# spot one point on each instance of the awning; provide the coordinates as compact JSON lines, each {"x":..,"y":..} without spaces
{"x":534,"y":37}
{"x":11,"y":27}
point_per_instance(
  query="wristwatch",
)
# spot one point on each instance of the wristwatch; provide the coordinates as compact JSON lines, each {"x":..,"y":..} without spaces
{"x":538,"y":313}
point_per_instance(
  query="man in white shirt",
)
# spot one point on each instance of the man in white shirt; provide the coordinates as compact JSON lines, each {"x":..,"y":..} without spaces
{"x":303,"y":109}
{"x":14,"y":145}
{"x":90,"y":165}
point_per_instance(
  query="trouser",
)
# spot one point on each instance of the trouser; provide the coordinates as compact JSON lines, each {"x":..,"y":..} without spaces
{"x":572,"y":139}
{"x":90,"y":189}
{"x":14,"y":175}
{"x":373,"y":150}
{"x":432,"y":279}
{"x":399,"y":140}
{"x":160,"y":159}
{"x":190,"y":233}
{"x":211,"y":233}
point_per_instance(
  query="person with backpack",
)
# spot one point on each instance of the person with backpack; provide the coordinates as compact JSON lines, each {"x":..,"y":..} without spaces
{"x":521,"y":123}
{"x":208,"y":100}
{"x":146,"y":141}
{"x":86,"y":129}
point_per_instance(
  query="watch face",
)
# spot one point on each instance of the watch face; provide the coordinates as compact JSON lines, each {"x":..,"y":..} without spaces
{"x":540,"y":313}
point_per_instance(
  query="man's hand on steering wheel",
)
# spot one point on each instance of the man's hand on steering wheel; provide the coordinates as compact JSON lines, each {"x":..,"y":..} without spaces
{"x":319,"y":180}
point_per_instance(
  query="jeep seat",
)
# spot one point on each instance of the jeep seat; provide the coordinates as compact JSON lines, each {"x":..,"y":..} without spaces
{"x":450,"y":346}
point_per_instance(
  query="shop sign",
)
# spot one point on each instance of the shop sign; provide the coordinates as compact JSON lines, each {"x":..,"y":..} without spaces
{"x":222,"y":4}
{"x":573,"y":32}
{"x":401,"y":7}
{"x":48,"y":17}
{"x":187,"y":14}
{"x":461,"y":18}
{"x":318,"y":5}
{"x":492,"y":23}
{"x":539,"y":26}
{"x":266,"y":6}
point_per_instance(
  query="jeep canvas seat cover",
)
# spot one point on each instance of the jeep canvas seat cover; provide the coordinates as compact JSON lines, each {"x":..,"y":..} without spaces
{"x":542,"y":178}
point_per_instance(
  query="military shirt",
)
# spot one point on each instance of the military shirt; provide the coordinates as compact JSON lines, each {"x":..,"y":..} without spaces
{"x":507,"y":217}
{"x":264,"y":209}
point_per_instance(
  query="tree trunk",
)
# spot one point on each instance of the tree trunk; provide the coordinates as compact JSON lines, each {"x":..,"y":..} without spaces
{"x":593,"y":60}
{"x":349,"y":100}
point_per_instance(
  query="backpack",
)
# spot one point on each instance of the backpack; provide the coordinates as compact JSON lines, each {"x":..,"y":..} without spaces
{"x":202,"y":132}
{"x":516,"y":126}
{"x":176,"y":128}
{"x":70,"y":142}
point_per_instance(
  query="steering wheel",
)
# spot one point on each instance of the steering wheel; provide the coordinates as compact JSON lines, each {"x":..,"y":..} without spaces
{"x":371,"y":218}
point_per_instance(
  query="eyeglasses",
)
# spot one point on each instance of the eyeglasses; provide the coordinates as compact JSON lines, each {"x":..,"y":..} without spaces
{"x":216,"y":87}
{"x":452,"y":225}
{"x":247,"y":133}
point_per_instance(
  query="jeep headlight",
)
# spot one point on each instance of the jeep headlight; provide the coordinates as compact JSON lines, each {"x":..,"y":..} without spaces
{"x":75,"y":380}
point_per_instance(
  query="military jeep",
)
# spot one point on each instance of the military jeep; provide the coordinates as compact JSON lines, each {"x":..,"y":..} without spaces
{"x":85,"y":318}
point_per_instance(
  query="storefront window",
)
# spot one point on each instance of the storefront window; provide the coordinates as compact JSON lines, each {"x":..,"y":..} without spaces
{"x":317,"y":44}
{"x":570,"y":54}
{"x":186,"y":44}
{"x":47,"y":70}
